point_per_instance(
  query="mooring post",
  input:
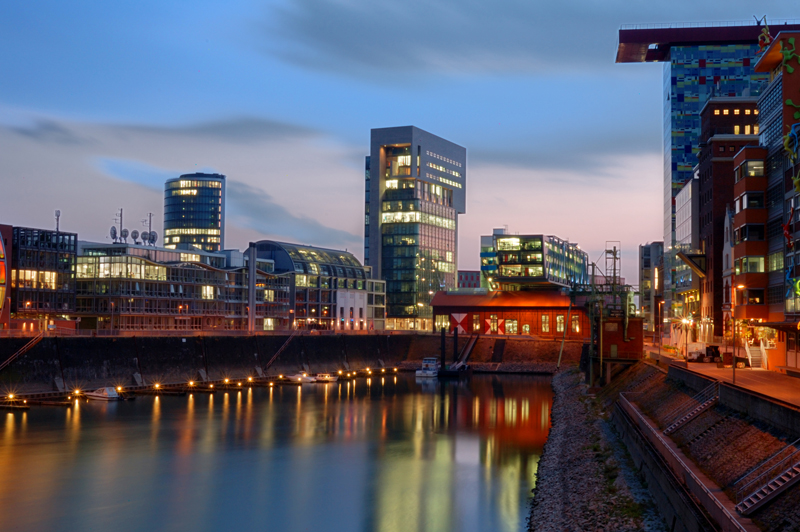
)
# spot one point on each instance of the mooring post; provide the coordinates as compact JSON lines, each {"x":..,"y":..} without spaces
{"x":443,"y":342}
{"x":455,"y":345}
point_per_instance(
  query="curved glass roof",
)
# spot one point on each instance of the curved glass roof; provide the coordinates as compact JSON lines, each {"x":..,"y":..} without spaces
{"x":311,"y":260}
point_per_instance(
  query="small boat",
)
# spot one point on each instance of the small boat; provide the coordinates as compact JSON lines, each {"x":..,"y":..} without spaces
{"x":430,"y":367}
{"x":326,"y":377}
{"x":104,"y":394}
{"x":302,"y":378}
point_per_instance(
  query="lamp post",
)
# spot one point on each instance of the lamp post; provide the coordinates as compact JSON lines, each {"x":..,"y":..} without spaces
{"x":686,"y":338}
{"x":733,"y":318}
{"x":660,"y":328}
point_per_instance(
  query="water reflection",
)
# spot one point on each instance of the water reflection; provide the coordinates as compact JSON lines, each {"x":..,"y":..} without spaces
{"x":386,"y":454}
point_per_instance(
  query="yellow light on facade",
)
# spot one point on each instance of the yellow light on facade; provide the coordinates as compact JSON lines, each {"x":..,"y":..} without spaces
{"x":119,"y":388}
{"x":11,"y":396}
{"x":249,"y":379}
{"x":158,"y":386}
{"x":191,"y":383}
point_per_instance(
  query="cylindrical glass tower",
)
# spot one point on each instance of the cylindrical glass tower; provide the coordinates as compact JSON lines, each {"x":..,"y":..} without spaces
{"x":194,"y":211}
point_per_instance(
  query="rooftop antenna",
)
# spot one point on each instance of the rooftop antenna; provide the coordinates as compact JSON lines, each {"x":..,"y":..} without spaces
{"x":58,"y":215}
{"x":147,"y":222}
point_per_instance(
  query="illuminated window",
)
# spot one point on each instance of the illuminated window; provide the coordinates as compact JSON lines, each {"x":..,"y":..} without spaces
{"x":545,"y":323}
{"x":576,"y":323}
{"x":560,"y":323}
{"x":747,"y":129}
{"x":755,"y":130}
{"x":747,"y":111}
{"x":736,"y":111}
{"x":755,"y":111}
{"x":716,"y":111}
{"x":736,"y":130}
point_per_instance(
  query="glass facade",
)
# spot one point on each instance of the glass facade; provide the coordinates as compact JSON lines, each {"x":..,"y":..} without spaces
{"x":692,"y":75}
{"x":43,"y":271}
{"x":418,"y":233}
{"x":324,"y":280}
{"x":2,"y":276}
{"x":522,"y":262}
{"x":131,"y":292}
{"x":194,"y":211}
{"x":415,"y":190}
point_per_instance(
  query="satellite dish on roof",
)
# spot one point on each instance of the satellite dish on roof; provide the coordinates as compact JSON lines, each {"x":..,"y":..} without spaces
{"x":153,"y":237}
{"x":113,"y":233}
{"x":145,"y":237}
{"x":124,"y":234}
{"x":134,"y":235}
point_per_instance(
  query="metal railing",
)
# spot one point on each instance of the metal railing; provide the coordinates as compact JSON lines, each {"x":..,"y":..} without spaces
{"x":709,"y":501}
{"x":703,"y":396}
{"x":767,"y":472}
{"x":717,"y":24}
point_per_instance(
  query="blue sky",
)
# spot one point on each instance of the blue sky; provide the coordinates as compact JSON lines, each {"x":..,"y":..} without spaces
{"x":102,"y":101}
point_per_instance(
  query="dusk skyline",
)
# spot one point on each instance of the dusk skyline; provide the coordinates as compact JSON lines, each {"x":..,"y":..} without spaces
{"x":110,"y":101}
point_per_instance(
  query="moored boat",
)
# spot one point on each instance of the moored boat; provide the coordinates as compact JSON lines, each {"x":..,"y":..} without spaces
{"x":430,"y":367}
{"x":302,"y":378}
{"x":104,"y":394}
{"x":326,"y":377}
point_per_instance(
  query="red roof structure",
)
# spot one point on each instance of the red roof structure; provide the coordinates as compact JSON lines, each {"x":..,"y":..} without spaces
{"x":640,"y":43}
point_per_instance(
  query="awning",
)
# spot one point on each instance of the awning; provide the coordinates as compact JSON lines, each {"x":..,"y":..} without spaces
{"x":785,"y":326}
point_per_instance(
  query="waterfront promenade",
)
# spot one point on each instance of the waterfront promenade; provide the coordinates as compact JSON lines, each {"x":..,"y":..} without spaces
{"x":771,"y":384}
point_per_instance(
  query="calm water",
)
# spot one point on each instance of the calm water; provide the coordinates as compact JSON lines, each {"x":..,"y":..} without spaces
{"x":388,"y":455}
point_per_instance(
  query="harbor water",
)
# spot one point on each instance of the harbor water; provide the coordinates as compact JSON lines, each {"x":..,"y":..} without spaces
{"x":389,"y":453}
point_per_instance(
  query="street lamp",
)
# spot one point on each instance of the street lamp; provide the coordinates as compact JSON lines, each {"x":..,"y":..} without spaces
{"x":660,"y":328}
{"x":733,"y":317}
{"x":686,"y":337}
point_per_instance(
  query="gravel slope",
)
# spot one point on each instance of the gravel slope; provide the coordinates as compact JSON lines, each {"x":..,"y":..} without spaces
{"x":585,"y":479}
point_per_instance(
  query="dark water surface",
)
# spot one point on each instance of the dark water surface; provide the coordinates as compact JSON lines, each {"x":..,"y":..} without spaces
{"x":387,"y":455}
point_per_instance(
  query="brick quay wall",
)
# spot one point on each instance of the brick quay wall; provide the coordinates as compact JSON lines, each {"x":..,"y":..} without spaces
{"x":97,"y":361}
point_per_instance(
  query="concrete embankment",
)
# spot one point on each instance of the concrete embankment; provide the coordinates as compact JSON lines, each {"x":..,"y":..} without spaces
{"x":742,"y":433}
{"x":586,"y":480}
{"x":696,"y":473}
{"x":90,"y":362}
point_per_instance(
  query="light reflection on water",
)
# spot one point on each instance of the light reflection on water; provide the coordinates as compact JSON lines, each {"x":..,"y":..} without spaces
{"x":387,"y":454}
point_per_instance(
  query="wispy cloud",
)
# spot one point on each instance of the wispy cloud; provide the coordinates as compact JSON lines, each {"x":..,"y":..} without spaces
{"x":391,"y":41}
{"x":256,"y":209}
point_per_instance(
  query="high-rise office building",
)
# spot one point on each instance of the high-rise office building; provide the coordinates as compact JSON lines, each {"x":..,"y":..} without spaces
{"x":415,"y":189}
{"x":699,"y":62}
{"x":194,"y":212}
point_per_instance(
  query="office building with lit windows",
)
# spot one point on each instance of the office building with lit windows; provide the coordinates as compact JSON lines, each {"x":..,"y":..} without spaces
{"x":194,"y":212}
{"x":329,"y":289}
{"x":699,"y":62}
{"x":528,"y":280}
{"x":516,"y":263}
{"x":415,"y":190}
{"x":128,"y":287}
{"x":42,"y":280}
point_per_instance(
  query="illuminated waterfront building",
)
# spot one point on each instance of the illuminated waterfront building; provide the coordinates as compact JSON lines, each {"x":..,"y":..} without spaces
{"x":194,"y":212}
{"x":42,"y":275}
{"x":125,"y":287}
{"x":530,"y":262}
{"x":329,"y":289}
{"x":699,"y":62}
{"x":650,"y":271}
{"x":4,"y":312}
{"x":415,"y":189}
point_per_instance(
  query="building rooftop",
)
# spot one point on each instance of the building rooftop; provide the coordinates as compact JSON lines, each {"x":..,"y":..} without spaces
{"x":640,"y":43}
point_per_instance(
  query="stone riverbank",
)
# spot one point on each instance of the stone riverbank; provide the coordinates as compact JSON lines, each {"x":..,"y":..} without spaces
{"x":586,"y":480}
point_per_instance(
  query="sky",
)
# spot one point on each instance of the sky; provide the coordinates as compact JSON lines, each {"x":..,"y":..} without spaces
{"x":101,"y":102}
